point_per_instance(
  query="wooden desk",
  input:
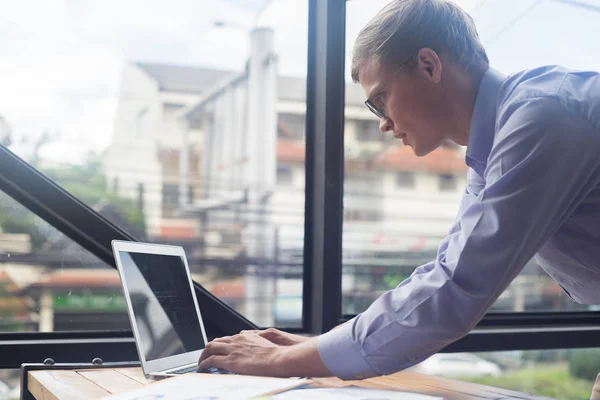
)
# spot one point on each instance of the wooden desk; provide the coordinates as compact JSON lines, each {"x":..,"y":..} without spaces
{"x":97,"y":383}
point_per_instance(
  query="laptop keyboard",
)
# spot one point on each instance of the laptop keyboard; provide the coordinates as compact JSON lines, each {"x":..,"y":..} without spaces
{"x":185,"y":370}
{"x":193,"y":368}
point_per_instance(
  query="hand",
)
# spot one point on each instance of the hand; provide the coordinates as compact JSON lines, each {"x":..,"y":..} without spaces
{"x":246,"y":353}
{"x":279,"y":337}
{"x":249,"y":353}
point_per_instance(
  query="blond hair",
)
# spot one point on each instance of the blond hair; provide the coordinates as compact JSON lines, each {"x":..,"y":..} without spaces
{"x":403,"y":27}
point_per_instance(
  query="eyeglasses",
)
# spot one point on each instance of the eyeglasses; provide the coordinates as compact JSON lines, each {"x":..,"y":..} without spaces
{"x":378,"y":110}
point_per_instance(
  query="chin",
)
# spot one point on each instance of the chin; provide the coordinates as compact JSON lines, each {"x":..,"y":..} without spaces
{"x":421,"y":151}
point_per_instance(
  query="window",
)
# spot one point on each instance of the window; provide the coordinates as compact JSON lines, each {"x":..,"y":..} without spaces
{"x":516,"y":37}
{"x":368,"y":131}
{"x":114,"y":139}
{"x":405,"y":179}
{"x":361,"y":215}
{"x":285,"y":174}
{"x":5,"y":132}
{"x":142,"y":123}
{"x":447,"y":182}
{"x":377,"y":255}
{"x":573,"y":371}
{"x":49,"y":283}
{"x":245,"y":241}
{"x":10,"y":384}
{"x":170,"y":200}
{"x":290,"y":126}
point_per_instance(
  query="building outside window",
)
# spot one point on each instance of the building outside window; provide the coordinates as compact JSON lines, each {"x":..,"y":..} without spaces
{"x":368,"y":131}
{"x":142,"y":123}
{"x":447,"y":182}
{"x":405,"y":179}
{"x":285,"y":174}
{"x":290,"y":126}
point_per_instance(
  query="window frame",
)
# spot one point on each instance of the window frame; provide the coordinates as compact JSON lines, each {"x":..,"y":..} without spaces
{"x":323,"y":230}
{"x":49,"y":201}
{"x":496,"y":331}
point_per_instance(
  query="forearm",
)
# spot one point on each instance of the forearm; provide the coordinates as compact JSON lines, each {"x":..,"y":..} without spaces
{"x":303,"y":360}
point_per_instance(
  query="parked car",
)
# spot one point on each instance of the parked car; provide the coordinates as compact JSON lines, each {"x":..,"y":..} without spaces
{"x":8,"y":393}
{"x":12,"y":394}
{"x":458,"y":365}
{"x":4,"y":389}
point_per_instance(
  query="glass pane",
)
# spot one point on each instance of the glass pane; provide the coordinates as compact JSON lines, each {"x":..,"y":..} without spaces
{"x":556,"y":374}
{"x":183,"y":121}
{"x":398,"y":206}
{"x":50,"y":283}
{"x":10,"y":384}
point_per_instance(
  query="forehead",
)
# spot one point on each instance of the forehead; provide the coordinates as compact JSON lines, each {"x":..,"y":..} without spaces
{"x":371,"y":75}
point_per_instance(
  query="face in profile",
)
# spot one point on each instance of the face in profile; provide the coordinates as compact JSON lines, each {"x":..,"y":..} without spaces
{"x":412,"y":101}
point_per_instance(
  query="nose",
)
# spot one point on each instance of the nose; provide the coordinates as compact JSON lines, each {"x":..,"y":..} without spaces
{"x":386,"y":125}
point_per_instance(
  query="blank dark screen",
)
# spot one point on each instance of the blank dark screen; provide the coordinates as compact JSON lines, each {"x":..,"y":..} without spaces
{"x":162,"y":303}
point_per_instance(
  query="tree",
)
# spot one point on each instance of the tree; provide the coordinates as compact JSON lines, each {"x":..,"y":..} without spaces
{"x":87,"y":183}
{"x":585,"y":364}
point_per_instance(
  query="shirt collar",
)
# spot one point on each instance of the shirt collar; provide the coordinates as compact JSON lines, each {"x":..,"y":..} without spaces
{"x":483,"y":121}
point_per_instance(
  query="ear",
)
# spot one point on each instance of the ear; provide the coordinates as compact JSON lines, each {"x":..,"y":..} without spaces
{"x":429,"y":63}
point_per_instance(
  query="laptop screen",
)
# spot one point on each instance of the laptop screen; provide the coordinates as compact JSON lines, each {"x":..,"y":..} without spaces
{"x":162,"y":303}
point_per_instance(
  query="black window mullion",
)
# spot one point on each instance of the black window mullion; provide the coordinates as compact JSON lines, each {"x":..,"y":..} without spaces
{"x":540,"y":319}
{"x":322,"y":292}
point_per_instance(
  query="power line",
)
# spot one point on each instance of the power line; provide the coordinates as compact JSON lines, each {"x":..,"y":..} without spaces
{"x":580,"y":4}
{"x":478,"y":6}
{"x":513,"y":22}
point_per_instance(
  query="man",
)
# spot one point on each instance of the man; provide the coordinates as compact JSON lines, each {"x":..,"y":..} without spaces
{"x":533,"y":188}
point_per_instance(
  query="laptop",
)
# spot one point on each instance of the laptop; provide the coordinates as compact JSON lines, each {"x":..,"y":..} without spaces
{"x":161,"y":302}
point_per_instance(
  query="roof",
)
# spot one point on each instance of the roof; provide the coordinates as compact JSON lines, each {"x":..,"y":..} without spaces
{"x":441,"y":160}
{"x":195,"y":80}
{"x":397,"y":158}
{"x":228,"y":289}
{"x":13,"y":304}
{"x":290,"y":151}
{"x":186,"y":79}
{"x":76,"y":278}
{"x":6,"y":283}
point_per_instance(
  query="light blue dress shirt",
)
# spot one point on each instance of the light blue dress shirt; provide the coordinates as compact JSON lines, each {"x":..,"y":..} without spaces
{"x":533,"y":189}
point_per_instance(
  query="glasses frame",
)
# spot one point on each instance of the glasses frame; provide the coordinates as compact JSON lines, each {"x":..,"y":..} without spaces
{"x":375,"y":109}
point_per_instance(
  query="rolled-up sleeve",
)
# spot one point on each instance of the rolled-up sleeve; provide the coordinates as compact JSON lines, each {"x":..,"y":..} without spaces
{"x":542,"y":165}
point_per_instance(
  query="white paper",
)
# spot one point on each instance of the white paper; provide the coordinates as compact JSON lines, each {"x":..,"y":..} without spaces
{"x":349,"y":393}
{"x":207,"y":387}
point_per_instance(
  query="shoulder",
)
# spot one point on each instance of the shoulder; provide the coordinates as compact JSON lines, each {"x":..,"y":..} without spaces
{"x":541,"y":128}
{"x":537,"y":82}
{"x":529,"y":96}
{"x":551,"y":89}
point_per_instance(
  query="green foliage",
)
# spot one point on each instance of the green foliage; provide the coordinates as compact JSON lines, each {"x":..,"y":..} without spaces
{"x":585,"y":363}
{"x":552,"y":381}
{"x":14,"y":218}
{"x":393,"y":280}
{"x":545,"y":355}
{"x":86,"y":182}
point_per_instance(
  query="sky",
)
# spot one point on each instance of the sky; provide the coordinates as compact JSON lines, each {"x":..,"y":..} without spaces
{"x":61,"y":60}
